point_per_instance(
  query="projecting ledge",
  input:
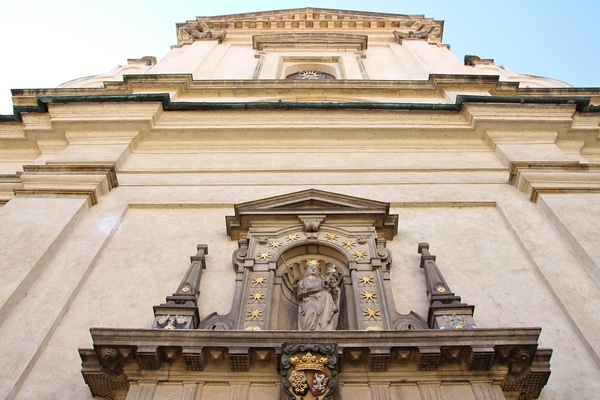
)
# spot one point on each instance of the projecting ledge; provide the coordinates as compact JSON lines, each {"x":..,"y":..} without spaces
{"x":509,"y":356}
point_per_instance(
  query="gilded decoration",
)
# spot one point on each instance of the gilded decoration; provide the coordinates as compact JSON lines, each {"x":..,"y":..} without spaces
{"x":309,"y":371}
{"x":314,"y":282}
{"x":368,"y":296}
{"x":259,"y":281}
{"x":257,"y":296}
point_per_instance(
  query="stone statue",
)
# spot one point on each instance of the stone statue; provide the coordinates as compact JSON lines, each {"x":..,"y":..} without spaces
{"x":318,"y":299}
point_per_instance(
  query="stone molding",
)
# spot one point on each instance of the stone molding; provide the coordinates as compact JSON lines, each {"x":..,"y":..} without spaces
{"x":313,"y":19}
{"x":290,"y":208}
{"x":536,"y":178}
{"x":329,"y":41}
{"x":508,"y":357}
{"x":90,"y":181}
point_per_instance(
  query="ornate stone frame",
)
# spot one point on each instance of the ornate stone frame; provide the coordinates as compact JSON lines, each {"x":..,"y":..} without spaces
{"x":392,"y":347}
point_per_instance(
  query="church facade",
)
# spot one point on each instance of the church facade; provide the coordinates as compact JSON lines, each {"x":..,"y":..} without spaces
{"x":302,"y":204}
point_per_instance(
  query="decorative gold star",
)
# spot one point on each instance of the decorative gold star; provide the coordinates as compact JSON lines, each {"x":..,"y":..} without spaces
{"x":259,"y":280}
{"x":254,"y":314}
{"x":332,"y":237}
{"x":349,"y":244}
{"x":257,"y":296}
{"x":275,"y":245}
{"x":371,"y":313}
{"x":292,"y":237}
{"x":368,"y":296}
{"x":264,"y":256}
{"x":366,"y":280}
{"x":360,"y":255}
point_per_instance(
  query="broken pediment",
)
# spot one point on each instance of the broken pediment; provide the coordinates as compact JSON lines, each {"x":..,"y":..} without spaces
{"x":292,"y":208}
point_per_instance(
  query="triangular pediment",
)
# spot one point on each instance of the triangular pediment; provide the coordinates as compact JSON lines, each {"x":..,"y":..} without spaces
{"x":287,"y":209}
{"x":311,"y":20}
{"x":309,"y":13}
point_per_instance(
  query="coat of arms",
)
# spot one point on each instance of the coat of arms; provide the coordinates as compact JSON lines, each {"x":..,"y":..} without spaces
{"x":309,"y":371}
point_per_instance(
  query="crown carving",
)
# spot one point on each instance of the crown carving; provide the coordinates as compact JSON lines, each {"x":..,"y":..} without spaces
{"x":309,"y":362}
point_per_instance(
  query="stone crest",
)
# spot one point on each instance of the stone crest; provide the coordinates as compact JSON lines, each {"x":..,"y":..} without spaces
{"x":309,"y":371}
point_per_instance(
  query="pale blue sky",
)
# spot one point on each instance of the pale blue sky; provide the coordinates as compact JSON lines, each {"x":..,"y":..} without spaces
{"x":47,"y":42}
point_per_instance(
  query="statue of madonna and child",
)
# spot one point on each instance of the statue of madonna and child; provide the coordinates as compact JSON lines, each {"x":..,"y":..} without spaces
{"x":318,"y":298}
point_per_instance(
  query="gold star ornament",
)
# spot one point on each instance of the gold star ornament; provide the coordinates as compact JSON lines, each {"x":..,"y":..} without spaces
{"x":259,"y":280}
{"x":371,"y":313}
{"x":349,"y":244}
{"x":254,"y":314}
{"x":275,"y":245}
{"x":264,"y":256}
{"x":366,"y":280}
{"x":257,"y":296}
{"x":360,"y":255}
{"x":368,"y":296}
{"x":332,"y":237}
{"x":293,"y":237}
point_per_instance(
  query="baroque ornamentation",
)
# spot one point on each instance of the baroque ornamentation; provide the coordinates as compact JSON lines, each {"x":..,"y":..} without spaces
{"x":318,"y":298}
{"x":309,"y":371}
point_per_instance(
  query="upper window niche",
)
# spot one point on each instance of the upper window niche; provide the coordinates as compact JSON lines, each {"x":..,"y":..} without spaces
{"x":310,"y":68}
{"x":308,"y":75}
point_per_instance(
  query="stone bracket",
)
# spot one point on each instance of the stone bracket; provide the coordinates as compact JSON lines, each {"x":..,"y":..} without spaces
{"x":379,"y":359}
{"x":194,"y":358}
{"x":554,"y":177}
{"x":90,"y":181}
{"x":429,"y":358}
{"x":239,"y":358}
{"x":481,"y":358}
{"x":511,"y":352}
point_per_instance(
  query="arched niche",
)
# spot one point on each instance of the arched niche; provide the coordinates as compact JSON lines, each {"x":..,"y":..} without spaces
{"x":291,"y":267}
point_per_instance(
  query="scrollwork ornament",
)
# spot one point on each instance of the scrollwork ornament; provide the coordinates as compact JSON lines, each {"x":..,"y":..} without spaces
{"x":520,"y":355}
{"x":110,"y":354}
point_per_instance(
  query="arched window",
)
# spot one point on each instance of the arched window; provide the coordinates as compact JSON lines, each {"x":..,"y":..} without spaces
{"x":309,"y":75}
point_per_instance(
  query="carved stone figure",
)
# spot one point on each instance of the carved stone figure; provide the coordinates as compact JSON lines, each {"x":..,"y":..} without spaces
{"x":318,"y":299}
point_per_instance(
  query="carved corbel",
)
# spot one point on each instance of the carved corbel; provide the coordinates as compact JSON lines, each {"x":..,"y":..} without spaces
{"x":239,"y":359}
{"x":410,"y":35}
{"x":312,"y":224}
{"x":379,"y":359}
{"x":429,"y":358}
{"x":203,"y":32}
{"x":148,"y":358}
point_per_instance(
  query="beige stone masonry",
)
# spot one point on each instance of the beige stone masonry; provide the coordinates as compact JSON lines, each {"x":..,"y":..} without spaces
{"x":89,"y":181}
{"x":36,"y":235}
{"x":50,"y":289}
{"x":537,"y":178}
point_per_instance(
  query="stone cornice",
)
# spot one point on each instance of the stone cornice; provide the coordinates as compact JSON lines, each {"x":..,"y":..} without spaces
{"x":310,"y":19}
{"x":510,"y":357}
{"x":581,"y":103}
{"x":536,"y":178}
{"x":89,"y":181}
{"x":294,"y":206}
{"x":144,"y":88}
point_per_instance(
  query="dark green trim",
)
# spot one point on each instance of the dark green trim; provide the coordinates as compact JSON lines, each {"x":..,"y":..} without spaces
{"x":582,"y":104}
